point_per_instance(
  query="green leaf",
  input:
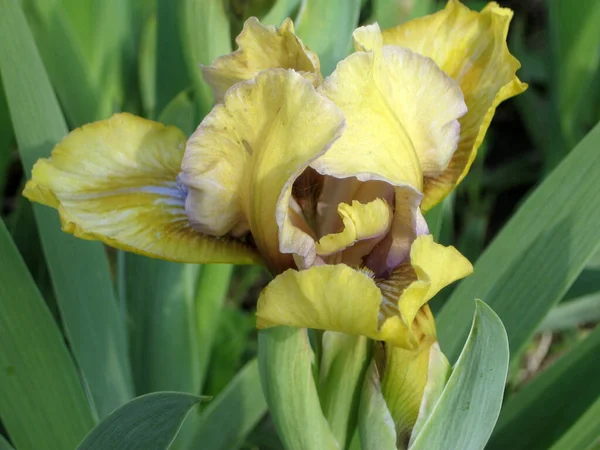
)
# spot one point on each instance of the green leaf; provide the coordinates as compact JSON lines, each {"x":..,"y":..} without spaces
{"x":232,"y":414}
{"x":25,"y":235}
{"x":280,"y":10}
{"x":180,"y":113}
{"x":160,"y":304}
{"x":6,"y":136}
{"x":584,"y":433}
{"x":147,"y":66}
{"x":532,"y":262}
{"x":147,"y":422}
{"x":68,"y":65}
{"x":467,"y":410}
{"x":285,"y":361}
{"x":440,"y":213}
{"x":375,"y":422}
{"x":211,"y":293}
{"x":548,"y":406}
{"x":204,"y":36}
{"x":575,"y":38}
{"x":572,"y":314}
{"x":344,"y":361}
{"x":389,"y":13}
{"x":171,"y":74}
{"x":587,"y":283}
{"x":4,"y":445}
{"x":232,"y":341}
{"x":326,"y":28}
{"x":79,"y":270}
{"x":42,"y":402}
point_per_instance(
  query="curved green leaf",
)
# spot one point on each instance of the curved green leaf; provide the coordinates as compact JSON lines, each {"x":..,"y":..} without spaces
{"x":42,"y":402}
{"x":279,"y":11}
{"x":285,"y":361}
{"x":549,"y":405}
{"x":147,"y":422}
{"x":4,"y":445}
{"x":204,"y":29}
{"x":344,"y":361}
{"x":375,"y":423}
{"x":467,"y":410}
{"x":584,"y":433}
{"x":536,"y":257}
{"x":79,"y":270}
{"x":229,"y":418}
{"x":326,"y":27}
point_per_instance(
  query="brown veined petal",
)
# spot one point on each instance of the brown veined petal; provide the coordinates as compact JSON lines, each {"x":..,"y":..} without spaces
{"x":241,"y":162}
{"x":116,"y":181}
{"x":260,"y":48}
{"x":471,"y":48}
{"x":432,"y":267}
{"x":407,"y":225}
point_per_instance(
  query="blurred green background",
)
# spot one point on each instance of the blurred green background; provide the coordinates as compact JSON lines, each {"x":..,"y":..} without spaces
{"x":129,"y":325}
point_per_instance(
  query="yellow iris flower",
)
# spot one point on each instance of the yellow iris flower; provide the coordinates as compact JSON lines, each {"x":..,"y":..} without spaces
{"x":322,"y":180}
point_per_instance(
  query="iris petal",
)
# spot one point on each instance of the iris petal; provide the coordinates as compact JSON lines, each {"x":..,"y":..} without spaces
{"x":402,"y":113}
{"x":340,"y":298}
{"x":241,"y":162}
{"x":260,"y":48}
{"x":116,"y":181}
{"x":471,"y":48}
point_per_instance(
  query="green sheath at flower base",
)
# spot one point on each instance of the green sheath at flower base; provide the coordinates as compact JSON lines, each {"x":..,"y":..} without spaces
{"x":375,"y":423}
{"x":342,"y":369}
{"x":410,"y":381}
{"x":285,"y":362}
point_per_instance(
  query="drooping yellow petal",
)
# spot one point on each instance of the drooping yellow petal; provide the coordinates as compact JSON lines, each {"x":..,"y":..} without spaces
{"x":431,"y":267}
{"x":471,"y":48}
{"x":329,"y":297}
{"x":241,"y":162}
{"x":261,"y":47}
{"x":116,"y":181}
{"x":402,"y":113}
{"x":339,"y":298}
{"x":361,"y":221}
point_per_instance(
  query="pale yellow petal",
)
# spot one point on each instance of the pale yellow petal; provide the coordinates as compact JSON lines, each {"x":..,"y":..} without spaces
{"x":404,"y":381}
{"x":329,"y":297}
{"x":361,"y":221}
{"x":242,"y":161}
{"x":261,"y":47}
{"x":471,"y":48}
{"x":401,"y":111}
{"x":367,"y":38}
{"x":116,"y":181}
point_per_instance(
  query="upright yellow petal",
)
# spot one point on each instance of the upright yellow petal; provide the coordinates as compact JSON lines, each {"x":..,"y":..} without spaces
{"x":471,"y":48}
{"x":402,"y":113}
{"x":329,"y":297}
{"x":116,"y":181}
{"x":261,"y":47}
{"x":241,"y":162}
